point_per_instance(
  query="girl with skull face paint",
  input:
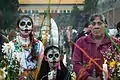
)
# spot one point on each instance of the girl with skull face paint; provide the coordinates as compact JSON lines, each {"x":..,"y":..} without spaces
{"x":52,"y":67}
{"x":28,"y":50}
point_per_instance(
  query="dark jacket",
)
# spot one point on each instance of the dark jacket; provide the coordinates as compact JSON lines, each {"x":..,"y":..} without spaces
{"x":117,"y":36}
{"x":62,"y":74}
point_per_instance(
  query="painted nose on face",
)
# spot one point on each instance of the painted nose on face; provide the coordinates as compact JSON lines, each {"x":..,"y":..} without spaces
{"x":26,"y":26}
{"x":54,"y":58}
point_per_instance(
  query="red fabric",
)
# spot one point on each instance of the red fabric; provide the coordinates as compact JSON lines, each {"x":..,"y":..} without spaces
{"x":89,"y":45}
{"x":13,"y":40}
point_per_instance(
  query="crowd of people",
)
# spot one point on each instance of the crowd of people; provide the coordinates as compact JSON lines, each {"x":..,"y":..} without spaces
{"x":93,"y":48}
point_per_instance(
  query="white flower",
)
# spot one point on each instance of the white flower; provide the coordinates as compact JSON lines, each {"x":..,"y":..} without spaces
{"x":15,"y":54}
{"x":8,"y":47}
{"x":51,"y":75}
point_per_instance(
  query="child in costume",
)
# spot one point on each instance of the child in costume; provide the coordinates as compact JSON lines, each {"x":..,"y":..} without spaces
{"x":26,"y":49}
{"x":52,"y":67}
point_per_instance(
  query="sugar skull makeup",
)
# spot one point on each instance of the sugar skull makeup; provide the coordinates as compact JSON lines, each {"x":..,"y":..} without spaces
{"x":25,"y":24}
{"x":53,"y":56}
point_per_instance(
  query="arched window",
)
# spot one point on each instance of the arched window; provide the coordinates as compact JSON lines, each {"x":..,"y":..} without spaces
{"x":61,"y":11}
{"x":36,"y":11}
{"x":64,"y":11}
{"x":25,"y":11}
{"x":68,"y":11}
{"x":33,"y":11}
{"x":29,"y":11}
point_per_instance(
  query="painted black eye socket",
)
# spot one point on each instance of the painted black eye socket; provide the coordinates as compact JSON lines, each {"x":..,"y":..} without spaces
{"x":56,"y":55}
{"x":50,"y":55}
{"x":29,"y":23}
{"x":22,"y":23}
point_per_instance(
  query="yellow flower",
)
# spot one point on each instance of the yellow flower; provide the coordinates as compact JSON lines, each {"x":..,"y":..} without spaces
{"x":112,"y":63}
{"x":73,"y":76}
{"x":1,"y":75}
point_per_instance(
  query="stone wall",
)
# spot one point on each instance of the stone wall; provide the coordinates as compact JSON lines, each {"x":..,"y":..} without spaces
{"x":112,"y":16}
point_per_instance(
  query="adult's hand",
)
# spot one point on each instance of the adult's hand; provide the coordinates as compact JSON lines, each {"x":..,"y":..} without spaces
{"x":98,"y":78}
{"x":92,"y":78}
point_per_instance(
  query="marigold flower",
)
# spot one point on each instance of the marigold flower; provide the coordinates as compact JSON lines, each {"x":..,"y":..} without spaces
{"x":112,"y":63}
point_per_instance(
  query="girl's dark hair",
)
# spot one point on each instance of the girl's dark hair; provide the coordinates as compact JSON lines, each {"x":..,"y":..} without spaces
{"x":49,"y":48}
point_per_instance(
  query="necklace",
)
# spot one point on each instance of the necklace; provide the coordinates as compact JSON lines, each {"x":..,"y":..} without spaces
{"x":23,"y":43}
{"x":25,"y":49}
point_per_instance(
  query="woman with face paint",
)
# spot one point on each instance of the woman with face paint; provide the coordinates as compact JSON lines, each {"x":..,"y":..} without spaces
{"x":28,"y":50}
{"x":52,"y":67}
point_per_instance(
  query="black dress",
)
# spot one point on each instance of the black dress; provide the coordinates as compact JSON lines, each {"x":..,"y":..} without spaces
{"x":62,"y":74}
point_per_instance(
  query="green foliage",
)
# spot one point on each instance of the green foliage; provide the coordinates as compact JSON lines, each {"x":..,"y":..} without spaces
{"x":66,"y":19}
{"x":75,"y":16}
{"x":9,"y":8}
{"x":63,"y":20}
{"x":11,"y":66}
{"x":90,"y":6}
{"x":75,"y":10}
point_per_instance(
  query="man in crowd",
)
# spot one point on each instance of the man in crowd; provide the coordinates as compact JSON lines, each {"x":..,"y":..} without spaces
{"x":94,"y":44}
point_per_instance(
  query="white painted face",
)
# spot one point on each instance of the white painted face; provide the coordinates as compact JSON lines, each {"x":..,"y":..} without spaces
{"x":53,"y":56}
{"x":25,"y":26}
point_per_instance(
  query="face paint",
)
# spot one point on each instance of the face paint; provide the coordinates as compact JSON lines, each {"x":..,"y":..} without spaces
{"x":53,"y":56}
{"x":25,"y":24}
